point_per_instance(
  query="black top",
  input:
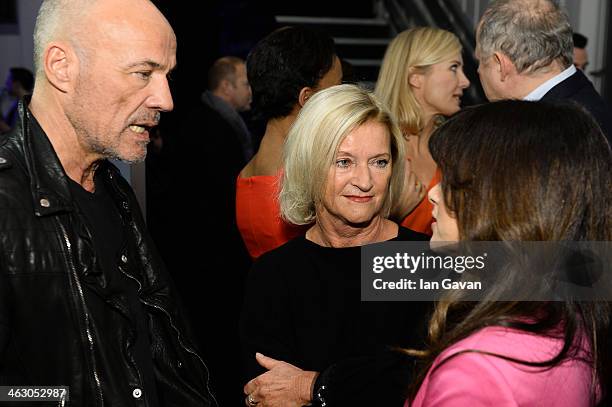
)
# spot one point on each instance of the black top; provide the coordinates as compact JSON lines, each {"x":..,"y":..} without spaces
{"x":114,"y":287}
{"x":303,"y":306}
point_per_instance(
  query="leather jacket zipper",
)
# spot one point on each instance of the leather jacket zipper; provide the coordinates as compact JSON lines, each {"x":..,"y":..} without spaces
{"x":178,"y":333}
{"x":82,"y":298}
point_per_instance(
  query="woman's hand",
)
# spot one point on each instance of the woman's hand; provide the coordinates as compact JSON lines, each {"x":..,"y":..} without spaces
{"x":283,"y":385}
{"x":412,"y":195}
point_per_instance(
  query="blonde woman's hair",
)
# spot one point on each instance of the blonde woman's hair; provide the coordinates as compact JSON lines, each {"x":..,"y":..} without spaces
{"x":412,"y":51}
{"x":311,"y":146}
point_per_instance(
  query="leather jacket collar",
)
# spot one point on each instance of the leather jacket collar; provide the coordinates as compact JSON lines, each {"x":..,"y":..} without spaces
{"x":49,"y":186}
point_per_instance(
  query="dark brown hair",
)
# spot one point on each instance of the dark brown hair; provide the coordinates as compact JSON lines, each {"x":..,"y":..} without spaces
{"x":223,"y":68}
{"x":515,"y":170}
{"x":525,"y":171}
{"x":283,"y":63}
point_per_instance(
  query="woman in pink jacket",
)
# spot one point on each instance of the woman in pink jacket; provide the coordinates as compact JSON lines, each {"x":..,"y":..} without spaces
{"x":519,"y":171}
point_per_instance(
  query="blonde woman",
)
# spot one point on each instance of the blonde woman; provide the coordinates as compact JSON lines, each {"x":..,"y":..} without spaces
{"x":421,"y":81}
{"x":343,"y":173}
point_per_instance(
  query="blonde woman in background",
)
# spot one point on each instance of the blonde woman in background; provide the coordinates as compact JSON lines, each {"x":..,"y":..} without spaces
{"x":421,"y":81}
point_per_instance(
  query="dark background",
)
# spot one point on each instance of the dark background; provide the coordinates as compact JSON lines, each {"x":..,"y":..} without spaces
{"x":8,"y":12}
{"x":207,"y":30}
{"x":210,"y":278}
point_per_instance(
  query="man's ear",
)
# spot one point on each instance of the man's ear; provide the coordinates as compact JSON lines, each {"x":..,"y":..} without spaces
{"x":504,"y":65}
{"x":225,"y":86}
{"x":61,"y":66}
{"x":304,"y":95}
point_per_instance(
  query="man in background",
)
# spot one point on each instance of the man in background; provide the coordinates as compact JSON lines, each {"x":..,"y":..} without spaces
{"x":229,"y":93}
{"x":525,"y":51}
{"x":581,"y":57}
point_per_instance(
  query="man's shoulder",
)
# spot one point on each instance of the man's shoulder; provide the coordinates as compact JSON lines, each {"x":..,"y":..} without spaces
{"x":11,"y":154}
{"x":14,"y":183}
{"x":11,"y":140}
{"x":205,"y":119}
{"x":203,"y":108}
{"x":578,"y":88}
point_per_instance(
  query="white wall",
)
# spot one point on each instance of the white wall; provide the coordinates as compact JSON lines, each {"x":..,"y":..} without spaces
{"x":589,"y":18}
{"x":592,"y":22}
{"x":17,"y":49}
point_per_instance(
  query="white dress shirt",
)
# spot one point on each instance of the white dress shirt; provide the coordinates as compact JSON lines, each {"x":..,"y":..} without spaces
{"x":539,"y":92}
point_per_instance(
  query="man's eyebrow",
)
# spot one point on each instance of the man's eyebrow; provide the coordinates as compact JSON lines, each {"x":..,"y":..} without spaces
{"x":146,"y":64}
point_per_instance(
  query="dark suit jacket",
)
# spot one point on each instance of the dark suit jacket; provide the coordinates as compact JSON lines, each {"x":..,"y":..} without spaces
{"x":579,"y":89}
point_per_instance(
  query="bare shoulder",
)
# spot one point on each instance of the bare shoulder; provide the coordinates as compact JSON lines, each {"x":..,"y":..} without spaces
{"x":247,"y":171}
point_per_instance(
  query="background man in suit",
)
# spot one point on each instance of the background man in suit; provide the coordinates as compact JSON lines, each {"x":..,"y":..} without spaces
{"x":229,"y":93}
{"x":581,"y":57}
{"x":525,"y":51}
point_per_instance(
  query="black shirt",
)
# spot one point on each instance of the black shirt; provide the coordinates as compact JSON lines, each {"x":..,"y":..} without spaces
{"x":111,"y":291}
{"x":303,"y":306}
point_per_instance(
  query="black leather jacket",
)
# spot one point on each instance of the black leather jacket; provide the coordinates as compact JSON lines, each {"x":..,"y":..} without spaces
{"x":48,"y":336}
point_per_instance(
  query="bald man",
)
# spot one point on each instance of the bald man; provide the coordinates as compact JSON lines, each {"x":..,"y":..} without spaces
{"x":85,"y":301}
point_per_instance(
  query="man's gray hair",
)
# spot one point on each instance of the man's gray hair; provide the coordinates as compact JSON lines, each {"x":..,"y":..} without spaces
{"x":53,"y":19}
{"x":532,"y":33}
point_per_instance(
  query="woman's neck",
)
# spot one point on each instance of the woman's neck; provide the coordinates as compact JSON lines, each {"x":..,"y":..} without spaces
{"x":419,"y":143}
{"x":269,"y":158}
{"x":336,"y":233}
{"x":426,"y":132}
{"x":277,"y":129}
{"x":417,"y":151}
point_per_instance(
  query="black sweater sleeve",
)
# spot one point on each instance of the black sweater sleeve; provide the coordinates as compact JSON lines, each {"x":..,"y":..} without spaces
{"x":303,"y":306}
{"x":381,"y":380}
{"x":266,"y":320}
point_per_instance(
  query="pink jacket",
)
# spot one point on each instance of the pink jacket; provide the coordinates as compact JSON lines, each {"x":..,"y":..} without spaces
{"x":473,"y":379}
